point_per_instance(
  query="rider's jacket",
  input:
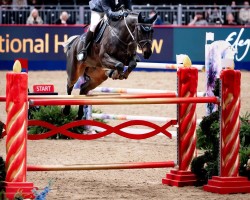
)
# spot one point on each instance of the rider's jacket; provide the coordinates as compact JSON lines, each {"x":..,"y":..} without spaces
{"x":109,"y":6}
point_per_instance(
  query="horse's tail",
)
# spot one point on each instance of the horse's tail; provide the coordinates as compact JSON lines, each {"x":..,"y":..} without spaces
{"x":66,"y":44}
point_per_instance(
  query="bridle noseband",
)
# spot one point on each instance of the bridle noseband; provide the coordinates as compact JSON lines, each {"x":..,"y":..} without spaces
{"x":139,"y":27}
{"x":146,"y":28}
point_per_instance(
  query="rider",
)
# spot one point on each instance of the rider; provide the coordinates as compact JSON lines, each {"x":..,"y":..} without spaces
{"x":98,"y":9}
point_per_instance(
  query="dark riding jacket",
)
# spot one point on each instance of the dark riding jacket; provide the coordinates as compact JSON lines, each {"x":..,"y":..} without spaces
{"x":108,"y":6}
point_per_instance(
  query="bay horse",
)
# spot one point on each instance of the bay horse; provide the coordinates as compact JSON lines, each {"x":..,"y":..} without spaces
{"x":108,"y":56}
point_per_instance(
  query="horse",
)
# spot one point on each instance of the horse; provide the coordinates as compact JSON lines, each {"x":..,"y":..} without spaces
{"x":108,"y":53}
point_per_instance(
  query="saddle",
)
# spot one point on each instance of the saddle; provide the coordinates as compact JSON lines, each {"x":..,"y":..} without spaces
{"x":100,"y":30}
{"x":96,"y":37}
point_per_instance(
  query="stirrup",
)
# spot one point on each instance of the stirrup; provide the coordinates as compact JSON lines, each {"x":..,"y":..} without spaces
{"x":82,"y":55}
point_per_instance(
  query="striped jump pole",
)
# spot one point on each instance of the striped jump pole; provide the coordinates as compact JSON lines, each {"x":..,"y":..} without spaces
{"x":130,"y":117}
{"x":2,"y":98}
{"x":148,"y":65}
{"x":117,"y":101}
{"x":136,"y":91}
{"x":106,"y":96}
{"x":111,"y":166}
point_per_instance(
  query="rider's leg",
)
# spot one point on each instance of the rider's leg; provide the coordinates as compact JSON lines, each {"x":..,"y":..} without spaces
{"x":95,"y":18}
{"x":88,"y":40}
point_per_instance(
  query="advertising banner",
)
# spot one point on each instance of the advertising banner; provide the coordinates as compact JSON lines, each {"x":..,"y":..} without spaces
{"x":42,"y":45}
{"x":191,"y":41}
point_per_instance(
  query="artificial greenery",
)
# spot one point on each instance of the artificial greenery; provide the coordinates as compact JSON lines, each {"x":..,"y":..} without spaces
{"x":53,"y":115}
{"x":245,"y":130}
{"x":2,"y":166}
{"x":206,"y":165}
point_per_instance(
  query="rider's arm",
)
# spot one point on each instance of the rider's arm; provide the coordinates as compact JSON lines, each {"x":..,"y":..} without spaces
{"x":108,"y":10}
{"x":127,"y":4}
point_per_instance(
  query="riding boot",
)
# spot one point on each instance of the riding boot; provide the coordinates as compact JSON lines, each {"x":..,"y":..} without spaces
{"x":82,"y":55}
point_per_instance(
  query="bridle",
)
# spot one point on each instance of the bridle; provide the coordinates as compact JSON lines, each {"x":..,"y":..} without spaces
{"x":147,"y":29}
{"x":139,"y":27}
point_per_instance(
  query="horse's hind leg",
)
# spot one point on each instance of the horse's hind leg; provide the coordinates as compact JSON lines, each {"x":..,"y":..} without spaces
{"x":112,"y":63}
{"x":66,"y":109}
{"x":83,"y":91}
{"x":93,"y":78}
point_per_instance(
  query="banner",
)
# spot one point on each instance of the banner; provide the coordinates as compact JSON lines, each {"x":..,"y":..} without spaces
{"x":42,"y":45}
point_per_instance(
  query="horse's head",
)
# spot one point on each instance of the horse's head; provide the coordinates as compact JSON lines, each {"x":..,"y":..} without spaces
{"x":144,"y":34}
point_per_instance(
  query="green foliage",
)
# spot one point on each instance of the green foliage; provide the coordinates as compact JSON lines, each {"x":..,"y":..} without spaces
{"x":208,"y":132}
{"x":216,"y":90}
{"x":2,"y":165}
{"x":53,"y":115}
{"x":245,"y":130}
{"x":206,"y":166}
{"x":244,"y":156}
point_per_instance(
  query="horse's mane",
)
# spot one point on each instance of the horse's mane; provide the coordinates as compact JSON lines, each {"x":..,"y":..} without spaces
{"x":68,"y":42}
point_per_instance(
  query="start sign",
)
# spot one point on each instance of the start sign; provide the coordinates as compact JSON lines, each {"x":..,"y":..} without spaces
{"x":43,"y":88}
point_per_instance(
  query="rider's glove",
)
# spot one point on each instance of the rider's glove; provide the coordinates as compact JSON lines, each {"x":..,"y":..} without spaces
{"x":125,"y":13}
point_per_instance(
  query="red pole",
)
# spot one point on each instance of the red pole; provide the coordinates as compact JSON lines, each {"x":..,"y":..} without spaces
{"x":110,"y":166}
{"x":106,"y":96}
{"x":16,"y":129}
{"x":2,"y":98}
{"x":117,"y":101}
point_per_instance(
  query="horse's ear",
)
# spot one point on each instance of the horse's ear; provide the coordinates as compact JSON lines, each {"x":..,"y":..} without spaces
{"x":140,"y":18}
{"x":152,"y":19}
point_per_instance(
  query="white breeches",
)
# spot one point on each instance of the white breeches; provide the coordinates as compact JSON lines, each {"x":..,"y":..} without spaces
{"x":95,"y":18}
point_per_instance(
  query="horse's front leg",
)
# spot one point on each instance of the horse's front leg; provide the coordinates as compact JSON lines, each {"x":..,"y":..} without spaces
{"x":83,"y":91}
{"x":116,"y":65}
{"x":131,"y":66}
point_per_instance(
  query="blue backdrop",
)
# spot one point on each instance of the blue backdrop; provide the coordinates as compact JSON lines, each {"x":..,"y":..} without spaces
{"x":41,"y":45}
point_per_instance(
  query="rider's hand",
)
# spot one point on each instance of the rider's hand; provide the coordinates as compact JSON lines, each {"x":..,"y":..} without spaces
{"x":125,"y":13}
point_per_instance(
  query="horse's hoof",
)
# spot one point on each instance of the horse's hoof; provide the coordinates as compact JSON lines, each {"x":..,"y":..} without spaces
{"x":89,"y":131}
{"x":121,"y":77}
{"x":65,"y":111}
{"x":78,"y":118}
{"x":115,"y":75}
